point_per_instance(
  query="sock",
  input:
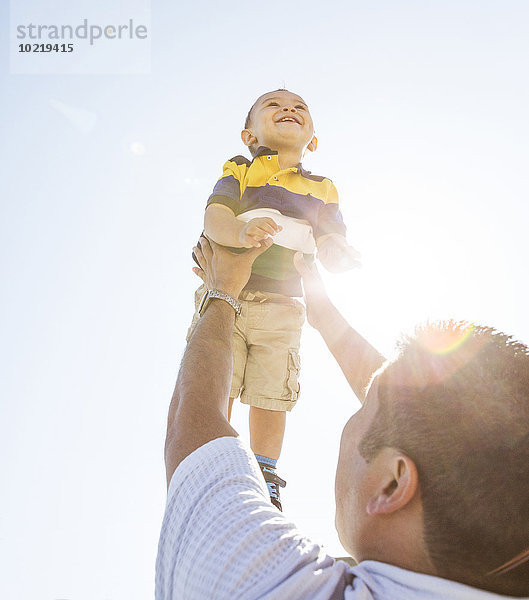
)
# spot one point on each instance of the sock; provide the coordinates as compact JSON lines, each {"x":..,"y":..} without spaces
{"x":264,"y":460}
{"x":268,"y":465}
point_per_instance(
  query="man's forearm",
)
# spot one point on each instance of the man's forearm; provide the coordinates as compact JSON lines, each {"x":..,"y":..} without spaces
{"x":198,"y":410}
{"x":354,"y":354}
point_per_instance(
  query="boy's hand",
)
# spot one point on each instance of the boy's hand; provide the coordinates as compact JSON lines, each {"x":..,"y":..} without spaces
{"x":257,"y":230}
{"x":336,"y":255}
{"x":221,"y":269}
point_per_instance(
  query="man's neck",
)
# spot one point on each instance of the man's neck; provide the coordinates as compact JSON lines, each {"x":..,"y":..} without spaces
{"x":401,"y":543}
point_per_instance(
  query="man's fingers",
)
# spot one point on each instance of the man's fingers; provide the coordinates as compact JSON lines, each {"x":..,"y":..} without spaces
{"x":301,"y":266}
{"x":313,"y":287}
{"x":205,"y":245}
{"x":198,"y":271}
{"x":199,"y":257}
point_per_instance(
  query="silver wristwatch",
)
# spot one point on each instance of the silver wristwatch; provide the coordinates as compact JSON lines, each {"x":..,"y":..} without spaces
{"x":210,"y":294}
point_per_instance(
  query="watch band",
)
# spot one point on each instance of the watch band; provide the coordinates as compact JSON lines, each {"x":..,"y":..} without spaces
{"x":220,"y":295}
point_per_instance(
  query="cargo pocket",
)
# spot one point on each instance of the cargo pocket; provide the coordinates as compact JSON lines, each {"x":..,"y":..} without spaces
{"x":294,"y":366}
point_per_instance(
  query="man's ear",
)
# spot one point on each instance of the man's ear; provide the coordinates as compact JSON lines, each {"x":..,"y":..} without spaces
{"x":313,"y":144}
{"x":399,"y":483}
{"x":248,"y":138}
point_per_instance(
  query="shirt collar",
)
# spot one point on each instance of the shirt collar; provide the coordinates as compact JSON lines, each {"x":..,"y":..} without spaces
{"x":265,"y":151}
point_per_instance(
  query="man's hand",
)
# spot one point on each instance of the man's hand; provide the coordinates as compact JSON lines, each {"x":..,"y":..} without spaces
{"x":316,"y":298}
{"x":224,"y":270}
{"x":257,"y":230}
{"x":336,"y":255}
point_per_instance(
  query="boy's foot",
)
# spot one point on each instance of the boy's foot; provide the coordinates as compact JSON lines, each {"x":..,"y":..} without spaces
{"x":273,"y":483}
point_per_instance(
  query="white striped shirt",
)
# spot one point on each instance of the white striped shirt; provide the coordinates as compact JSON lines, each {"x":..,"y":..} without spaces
{"x":222,"y":539}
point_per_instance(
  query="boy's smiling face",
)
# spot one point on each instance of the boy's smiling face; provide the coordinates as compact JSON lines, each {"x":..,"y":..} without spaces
{"x":280,"y":120}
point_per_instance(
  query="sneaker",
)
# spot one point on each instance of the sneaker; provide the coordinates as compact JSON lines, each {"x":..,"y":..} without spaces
{"x":273,"y":482}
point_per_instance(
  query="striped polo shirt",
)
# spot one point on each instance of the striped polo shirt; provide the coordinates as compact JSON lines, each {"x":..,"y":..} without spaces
{"x":261,"y":184}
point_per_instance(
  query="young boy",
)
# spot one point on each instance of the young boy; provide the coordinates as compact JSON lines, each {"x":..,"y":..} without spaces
{"x":273,"y":195}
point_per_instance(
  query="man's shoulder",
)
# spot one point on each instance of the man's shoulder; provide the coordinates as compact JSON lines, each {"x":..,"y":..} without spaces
{"x":379,"y":580}
{"x":201,"y":468}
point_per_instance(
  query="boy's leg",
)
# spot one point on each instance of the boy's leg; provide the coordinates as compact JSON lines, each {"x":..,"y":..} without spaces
{"x":271,"y":385}
{"x":240,"y":355}
{"x":267,"y":430}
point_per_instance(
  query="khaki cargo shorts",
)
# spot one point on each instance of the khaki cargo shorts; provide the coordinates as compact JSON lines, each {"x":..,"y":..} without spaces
{"x":266,"y":340}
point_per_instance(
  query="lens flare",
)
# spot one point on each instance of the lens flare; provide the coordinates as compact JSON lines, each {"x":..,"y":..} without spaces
{"x":448,"y":341}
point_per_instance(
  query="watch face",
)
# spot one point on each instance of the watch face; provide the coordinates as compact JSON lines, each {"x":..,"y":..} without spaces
{"x":222,"y":296}
{"x":204,"y":302}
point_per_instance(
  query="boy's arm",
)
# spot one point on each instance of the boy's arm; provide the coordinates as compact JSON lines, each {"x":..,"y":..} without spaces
{"x":220,"y":221}
{"x":334,"y":252}
{"x":222,"y":226}
{"x":357,"y":358}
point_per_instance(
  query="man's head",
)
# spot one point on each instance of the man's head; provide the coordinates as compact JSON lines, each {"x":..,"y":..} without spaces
{"x":279,"y":120}
{"x":436,"y":463}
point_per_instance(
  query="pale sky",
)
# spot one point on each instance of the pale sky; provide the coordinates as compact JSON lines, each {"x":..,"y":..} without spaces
{"x":421,"y":113}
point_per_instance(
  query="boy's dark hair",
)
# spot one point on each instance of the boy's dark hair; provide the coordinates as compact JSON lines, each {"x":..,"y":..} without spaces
{"x":456,"y":401}
{"x":247,"y":122}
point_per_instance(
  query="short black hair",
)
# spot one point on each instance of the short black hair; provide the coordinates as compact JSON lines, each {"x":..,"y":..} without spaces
{"x":247,"y":122}
{"x":456,"y":401}
{"x":249,"y":115}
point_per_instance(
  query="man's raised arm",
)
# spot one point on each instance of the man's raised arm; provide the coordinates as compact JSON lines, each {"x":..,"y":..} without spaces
{"x":355,"y":355}
{"x":198,"y":410}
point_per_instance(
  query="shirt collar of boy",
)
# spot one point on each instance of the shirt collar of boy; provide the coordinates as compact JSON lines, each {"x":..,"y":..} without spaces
{"x":264,"y":151}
